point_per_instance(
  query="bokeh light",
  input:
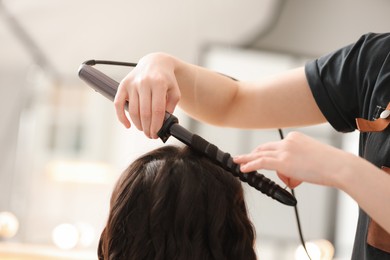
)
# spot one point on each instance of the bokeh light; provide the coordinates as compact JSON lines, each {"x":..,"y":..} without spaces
{"x":9,"y":225}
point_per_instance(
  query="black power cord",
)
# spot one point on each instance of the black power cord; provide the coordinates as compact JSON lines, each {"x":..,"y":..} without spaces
{"x":296,"y":211}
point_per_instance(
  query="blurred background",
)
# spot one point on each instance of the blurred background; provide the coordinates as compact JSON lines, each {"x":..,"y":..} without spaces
{"x":62,"y":148}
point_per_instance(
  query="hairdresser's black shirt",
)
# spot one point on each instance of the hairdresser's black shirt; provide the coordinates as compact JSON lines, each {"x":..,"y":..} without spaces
{"x":354,"y":82}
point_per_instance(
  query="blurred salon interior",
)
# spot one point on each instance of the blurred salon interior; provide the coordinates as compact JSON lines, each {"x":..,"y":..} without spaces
{"x":62,"y":148}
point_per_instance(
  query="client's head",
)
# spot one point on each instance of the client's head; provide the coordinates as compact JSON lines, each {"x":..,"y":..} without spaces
{"x":173,"y":203}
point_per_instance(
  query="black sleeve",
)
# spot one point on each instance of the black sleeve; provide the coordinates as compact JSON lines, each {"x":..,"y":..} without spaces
{"x":342,"y":81}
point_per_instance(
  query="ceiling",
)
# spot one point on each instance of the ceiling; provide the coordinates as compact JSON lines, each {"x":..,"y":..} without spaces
{"x":59,"y":35}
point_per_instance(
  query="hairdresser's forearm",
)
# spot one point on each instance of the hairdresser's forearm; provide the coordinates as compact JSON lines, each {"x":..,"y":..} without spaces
{"x":369,"y":186}
{"x":279,"y":101}
{"x":205,"y":95}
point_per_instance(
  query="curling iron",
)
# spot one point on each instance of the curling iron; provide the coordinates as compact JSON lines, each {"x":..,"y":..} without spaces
{"x":108,"y":88}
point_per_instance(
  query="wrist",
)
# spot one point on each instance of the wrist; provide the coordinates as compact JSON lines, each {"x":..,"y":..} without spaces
{"x":351,"y":174}
{"x":344,"y":174}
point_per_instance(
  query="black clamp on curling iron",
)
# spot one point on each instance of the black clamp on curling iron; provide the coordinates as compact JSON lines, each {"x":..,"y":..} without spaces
{"x":108,"y":88}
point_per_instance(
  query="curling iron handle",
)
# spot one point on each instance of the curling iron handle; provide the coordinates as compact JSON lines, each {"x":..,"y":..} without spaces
{"x":101,"y":83}
{"x":98,"y":81}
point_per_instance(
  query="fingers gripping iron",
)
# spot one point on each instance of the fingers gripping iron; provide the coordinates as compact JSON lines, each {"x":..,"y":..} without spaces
{"x":108,"y":88}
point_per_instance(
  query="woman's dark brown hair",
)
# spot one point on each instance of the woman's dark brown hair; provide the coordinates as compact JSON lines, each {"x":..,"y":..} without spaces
{"x":173,"y":203}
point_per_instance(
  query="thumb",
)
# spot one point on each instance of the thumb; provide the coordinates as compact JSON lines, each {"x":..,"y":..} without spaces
{"x":291,"y":183}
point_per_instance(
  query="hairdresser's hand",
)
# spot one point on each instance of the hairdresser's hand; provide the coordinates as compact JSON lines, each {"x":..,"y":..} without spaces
{"x":297,"y":158}
{"x":151,"y":89}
